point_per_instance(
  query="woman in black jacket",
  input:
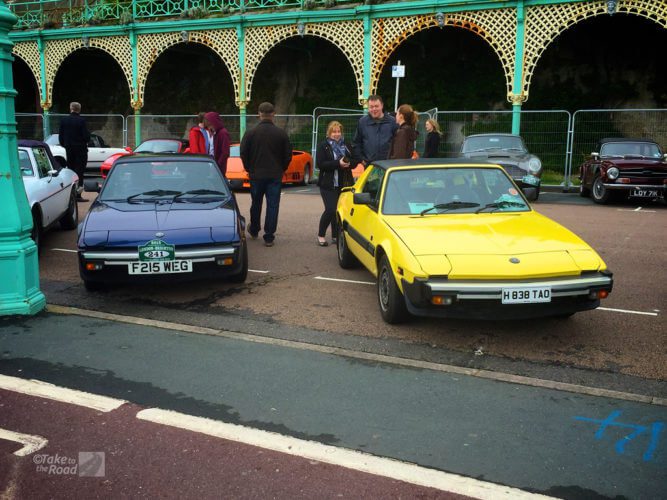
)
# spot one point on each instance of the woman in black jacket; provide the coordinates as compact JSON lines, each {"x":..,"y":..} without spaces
{"x":333,"y":161}
{"x":432,"y":139}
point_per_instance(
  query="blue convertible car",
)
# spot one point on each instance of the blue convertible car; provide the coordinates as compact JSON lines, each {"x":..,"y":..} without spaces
{"x":162,"y":218}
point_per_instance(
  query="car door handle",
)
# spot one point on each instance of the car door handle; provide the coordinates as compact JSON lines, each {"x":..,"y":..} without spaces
{"x":352,"y":211}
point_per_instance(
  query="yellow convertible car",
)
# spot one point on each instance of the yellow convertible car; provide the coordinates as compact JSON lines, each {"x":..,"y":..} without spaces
{"x":457,"y":238}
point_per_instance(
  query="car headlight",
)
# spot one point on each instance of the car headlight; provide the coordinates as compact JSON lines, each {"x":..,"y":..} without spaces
{"x":612,"y":173}
{"x":534,"y":165}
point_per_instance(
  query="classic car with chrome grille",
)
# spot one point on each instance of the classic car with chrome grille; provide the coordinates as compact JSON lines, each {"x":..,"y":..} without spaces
{"x":457,"y":238}
{"x":162,"y":218}
{"x":510,"y":152}
{"x":634,"y":168}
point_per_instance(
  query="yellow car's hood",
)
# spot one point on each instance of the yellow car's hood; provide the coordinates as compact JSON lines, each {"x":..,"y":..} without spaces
{"x":480,"y":246}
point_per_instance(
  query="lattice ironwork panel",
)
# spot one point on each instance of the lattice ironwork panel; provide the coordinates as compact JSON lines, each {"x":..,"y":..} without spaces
{"x":28,"y":52}
{"x":545,"y":22}
{"x":348,"y":36}
{"x":56,"y":51}
{"x":222,"y":42}
{"x":496,"y":26}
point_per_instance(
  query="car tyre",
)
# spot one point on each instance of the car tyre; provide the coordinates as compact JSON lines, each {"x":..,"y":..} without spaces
{"x":306,"y":176}
{"x":599,"y":193}
{"x":584,"y":192}
{"x":243,"y":274}
{"x":36,"y":233}
{"x":346,"y":259}
{"x":70,"y":218}
{"x":390,"y":298}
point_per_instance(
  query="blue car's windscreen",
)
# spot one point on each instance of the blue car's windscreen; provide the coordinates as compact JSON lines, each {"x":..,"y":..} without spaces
{"x":180,"y":180}
{"x":450,"y":190}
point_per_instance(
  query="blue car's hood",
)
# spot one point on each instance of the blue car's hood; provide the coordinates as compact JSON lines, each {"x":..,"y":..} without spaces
{"x":128,"y":224}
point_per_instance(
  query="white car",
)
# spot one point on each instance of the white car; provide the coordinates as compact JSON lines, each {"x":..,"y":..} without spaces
{"x":51,"y":191}
{"x":98,"y":151}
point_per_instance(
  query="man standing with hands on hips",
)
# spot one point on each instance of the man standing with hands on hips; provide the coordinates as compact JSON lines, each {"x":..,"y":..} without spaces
{"x":73,"y":135}
{"x":266,"y":152}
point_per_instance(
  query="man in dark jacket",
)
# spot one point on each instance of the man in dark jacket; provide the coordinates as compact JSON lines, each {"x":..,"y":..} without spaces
{"x":73,"y":135}
{"x":266,"y":152}
{"x":220,"y":140}
{"x":372,"y":140}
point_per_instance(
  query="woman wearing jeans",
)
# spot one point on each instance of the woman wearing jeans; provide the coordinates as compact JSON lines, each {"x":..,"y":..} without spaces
{"x":333,"y":161}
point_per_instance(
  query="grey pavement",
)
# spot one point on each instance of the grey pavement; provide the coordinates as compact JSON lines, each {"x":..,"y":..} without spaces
{"x":542,"y":440}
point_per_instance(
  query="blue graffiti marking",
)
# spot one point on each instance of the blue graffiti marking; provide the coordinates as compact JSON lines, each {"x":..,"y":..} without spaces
{"x":638,"y":430}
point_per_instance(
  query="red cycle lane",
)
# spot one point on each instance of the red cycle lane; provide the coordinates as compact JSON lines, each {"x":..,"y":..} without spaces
{"x":93,"y":454}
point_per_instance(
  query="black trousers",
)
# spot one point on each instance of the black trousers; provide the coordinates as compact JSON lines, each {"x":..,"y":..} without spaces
{"x":77,"y":158}
{"x":330,"y":199}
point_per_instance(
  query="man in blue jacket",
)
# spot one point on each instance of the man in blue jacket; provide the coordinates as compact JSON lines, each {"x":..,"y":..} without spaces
{"x":374,"y":133}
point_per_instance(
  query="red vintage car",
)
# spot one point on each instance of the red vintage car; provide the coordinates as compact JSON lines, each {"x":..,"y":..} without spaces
{"x":635,"y":168}
{"x":150,"y":146}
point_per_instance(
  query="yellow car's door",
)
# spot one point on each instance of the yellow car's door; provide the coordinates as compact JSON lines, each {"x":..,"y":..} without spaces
{"x":363,"y":221}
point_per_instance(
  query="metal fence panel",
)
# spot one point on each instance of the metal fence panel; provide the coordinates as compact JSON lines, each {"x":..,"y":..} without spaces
{"x":110,"y":127}
{"x":544,"y":132}
{"x":30,"y":126}
{"x":298,"y":127}
{"x":159,"y":127}
{"x":591,"y":125}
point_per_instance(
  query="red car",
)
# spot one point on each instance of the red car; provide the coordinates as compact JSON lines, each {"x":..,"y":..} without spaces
{"x":150,"y":146}
{"x":636,"y":168}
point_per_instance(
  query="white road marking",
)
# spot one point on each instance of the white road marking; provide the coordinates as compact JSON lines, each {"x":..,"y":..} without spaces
{"x":626,"y":311}
{"x":350,"y":459}
{"x":345,"y":281}
{"x":49,"y":391}
{"x":30,"y":443}
{"x":381,"y":358}
{"x":302,"y":190}
{"x":638,"y":209}
{"x":63,"y":250}
{"x":257,"y":271}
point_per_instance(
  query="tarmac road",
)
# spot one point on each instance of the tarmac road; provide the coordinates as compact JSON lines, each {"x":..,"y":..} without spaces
{"x":290,"y":293}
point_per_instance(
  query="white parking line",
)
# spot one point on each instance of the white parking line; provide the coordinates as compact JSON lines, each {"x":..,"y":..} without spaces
{"x":350,"y":459}
{"x":49,"y":391}
{"x":638,"y":209}
{"x":626,"y":311}
{"x":345,"y":281}
{"x":257,"y":271}
{"x":30,"y":443}
{"x":302,"y":190}
{"x":63,"y":250}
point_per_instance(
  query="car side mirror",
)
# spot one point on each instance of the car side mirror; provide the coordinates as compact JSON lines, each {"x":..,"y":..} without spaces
{"x":362,"y":199}
{"x":664,"y":157}
{"x":128,"y":149}
{"x":348,"y":189}
{"x":530,"y":193}
{"x":91,"y":185}
{"x":53,"y":173}
{"x":595,"y":156}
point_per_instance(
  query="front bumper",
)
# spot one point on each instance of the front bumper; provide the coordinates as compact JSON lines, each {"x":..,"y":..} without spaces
{"x":483,"y":299}
{"x":114,"y":264}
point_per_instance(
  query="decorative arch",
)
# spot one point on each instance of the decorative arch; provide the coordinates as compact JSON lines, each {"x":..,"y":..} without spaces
{"x":496,"y":26}
{"x":348,"y":36}
{"x":545,"y":22}
{"x":149,"y":47}
{"x":28,"y":52}
{"x":57,"y":51}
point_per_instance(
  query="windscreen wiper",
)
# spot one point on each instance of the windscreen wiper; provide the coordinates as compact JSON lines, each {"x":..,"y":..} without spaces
{"x":501,"y":204}
{"x":155,"y":194}
{"x":453,"y":205}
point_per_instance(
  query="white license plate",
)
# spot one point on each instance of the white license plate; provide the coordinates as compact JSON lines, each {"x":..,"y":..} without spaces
{"x":645,"y":193}
{"x":160,"y":267}
{"x":526,"y":295}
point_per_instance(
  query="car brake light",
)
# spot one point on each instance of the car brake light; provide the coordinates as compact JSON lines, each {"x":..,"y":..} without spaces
{"x":94,"y":266}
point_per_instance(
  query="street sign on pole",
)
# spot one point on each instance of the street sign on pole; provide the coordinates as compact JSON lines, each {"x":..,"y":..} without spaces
{"x":398,"y":72}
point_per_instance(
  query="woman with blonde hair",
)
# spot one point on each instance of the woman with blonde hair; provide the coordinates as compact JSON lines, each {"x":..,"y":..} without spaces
{"x":403,"y":142}
{"x":333,"y":161}
{"x":432,"y":139}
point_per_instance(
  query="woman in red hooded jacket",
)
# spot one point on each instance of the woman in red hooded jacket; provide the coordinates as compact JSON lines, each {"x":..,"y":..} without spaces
{"x":220,"y":140}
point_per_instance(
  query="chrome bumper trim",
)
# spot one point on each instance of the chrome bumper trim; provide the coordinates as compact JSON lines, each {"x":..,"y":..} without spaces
{"x":660,"y":187}
{"x":179,"y":254}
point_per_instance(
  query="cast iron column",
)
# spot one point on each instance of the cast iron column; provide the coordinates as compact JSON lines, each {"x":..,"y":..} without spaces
{"x":19,"y":271}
